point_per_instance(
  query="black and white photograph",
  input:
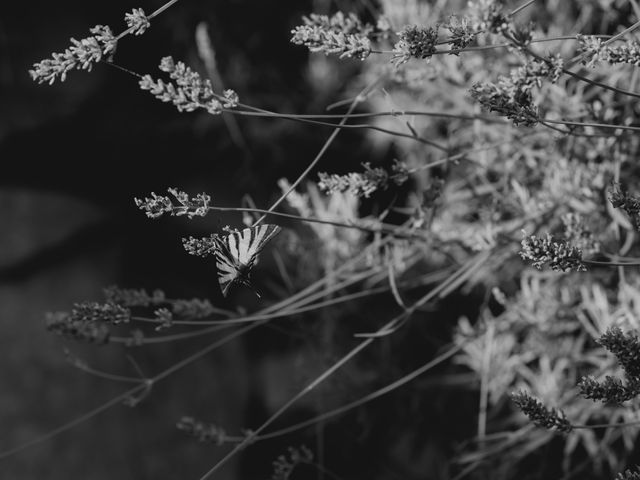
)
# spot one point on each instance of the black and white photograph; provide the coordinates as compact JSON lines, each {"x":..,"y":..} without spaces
{"x":320,"y":240}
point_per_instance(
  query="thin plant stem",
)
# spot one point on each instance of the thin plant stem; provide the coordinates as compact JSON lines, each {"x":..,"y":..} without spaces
{"x":320,"y":154}
{"x":215,"y":310}
{"x":407,"y":284}
{"x":546,"y":124}
{"x":593,"y":125}
{"x":328,"y":279}
{"x":149,"y":17}
{"x":492,"y":46}
{"x":73,"y":423}
{"x":327,"y":373}
{"x":176,"y":367}
{"x":171,"y":338}
{"x":463,"y":274}
{"x":601,"y":85}
{"x":611,"y":264}
{"x":485,"y":375}
{"x":106,"y":375}
{"x":580,"y":77}
{"x":257,"y":112}
{"x":598,"y":426}
{"x":367,"y":398}
{"x":221,"y":324}
{"x":520,"y":8}
{"x":342,"y":125}
{"x":462,"y":155}
{"x":500,"y":449}
{"x":614,"y":38}
{"x":128,"y":394}
{"x":392,"y":230}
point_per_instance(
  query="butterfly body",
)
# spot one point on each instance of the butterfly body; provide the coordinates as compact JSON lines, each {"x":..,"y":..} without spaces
{"x":237,"y":253}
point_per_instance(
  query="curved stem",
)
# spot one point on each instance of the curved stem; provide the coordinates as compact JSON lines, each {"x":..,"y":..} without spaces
{"x":601,"y":85}
{"x":73,"y":423}
{"x":258,"y":112}
{"x":365,"y":126}
{"x":612,"y":264}
{"x":366,"y":399}
{"x":393,"y":230}
{"x":327,"y":279}
{"x":607,"y":425}
{"x":128,"y":394}
{"x":521,"y":7}
{"x":320,"y":154}
{"x":337,"y":365}
{"x":594,"y":125}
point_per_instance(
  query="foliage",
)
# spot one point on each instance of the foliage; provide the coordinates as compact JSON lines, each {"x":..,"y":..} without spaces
{"x":481,"y":125}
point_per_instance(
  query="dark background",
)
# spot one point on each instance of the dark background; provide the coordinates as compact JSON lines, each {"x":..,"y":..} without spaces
{"x":74,"y":155}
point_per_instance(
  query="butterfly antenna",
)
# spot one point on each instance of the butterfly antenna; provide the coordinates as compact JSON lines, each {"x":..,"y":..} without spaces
{"x":248,"y":284}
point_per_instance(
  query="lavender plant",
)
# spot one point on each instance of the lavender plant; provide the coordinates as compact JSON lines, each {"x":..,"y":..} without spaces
{"x":497,"y":125}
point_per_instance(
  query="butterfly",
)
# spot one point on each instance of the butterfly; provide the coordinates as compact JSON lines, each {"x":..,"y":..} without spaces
{"x":237,"y":253}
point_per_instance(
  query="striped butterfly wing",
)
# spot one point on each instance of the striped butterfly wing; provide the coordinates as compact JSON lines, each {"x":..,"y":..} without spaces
{"x":228,"y":270}
{"x":237,"y":253}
